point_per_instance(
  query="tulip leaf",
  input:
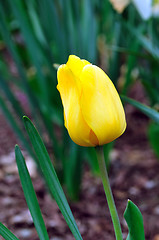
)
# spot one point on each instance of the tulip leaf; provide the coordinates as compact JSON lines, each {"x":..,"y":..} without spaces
{"x":30,"y":195}
{"x":145,"y":42}
{"x":128,"y":237}
{"x":153,"y":133}
{"x":134,"y":221}
{"x":6,"y":233}
{"x":13,"y":123}
{"x":151,"y":113}
{"x":50,"y":176}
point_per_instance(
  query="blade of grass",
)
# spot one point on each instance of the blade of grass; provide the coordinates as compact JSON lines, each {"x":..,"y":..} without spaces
{"x":6,"y":233}
{"x":50,"y":13}
{"x":134,"y":46}
{"x":91,"y":157}
{"x":30,"y":195}
{"x":127,"y":51}
{"x":107,"y":149}
{"x":35,"y":22}
{"x":73,"y":170}
{"x":12,"y":49}
{"x":151,"y":113}
{"x":145,"y":42}
{"x":50,"y":176}
{"x":150,"y":87}
{"x":33,"y":46}
{"x":114,"y":61}
{"x":15,"y":126}
{"x":69,"y":26}
{"x":5,"y":87}
{"x":36,"y":107}
{"x":89,"y":27}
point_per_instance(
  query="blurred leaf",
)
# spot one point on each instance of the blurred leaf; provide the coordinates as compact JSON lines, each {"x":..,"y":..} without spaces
{"x":114,"y":61}
{"x":73,"y":170}
{"x":128,"y":237}
{"x":91,"y":157}
{"x":153,"y":134}
{"x":35,"y":51}
{"x":6,"y":233}
{"x":35,"y":22}
{"x":107,"y":149}
{"x":50,"y":12}
{"x":151,"y":113}
{"x":51,"y":177}
{"x":30,"y":195}
{"x":88,"y":25}
{"x":11,"y":120}
{"x":6,"y":89}
{"x":150,"y":88}
{"x":40,"y":109}
{"x":13,"y":51}
{"x":144,"y":41}
{"x":134,"y":220}
{"x":132,"y":59}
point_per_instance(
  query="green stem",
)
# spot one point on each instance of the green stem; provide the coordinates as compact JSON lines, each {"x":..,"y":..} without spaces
{"x":108,"y":193}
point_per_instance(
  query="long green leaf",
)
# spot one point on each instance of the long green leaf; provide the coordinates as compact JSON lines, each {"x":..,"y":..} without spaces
{"x":30,"y":195}
{"x":13,"y":51}
{"x":134,"y":220}
{"x":6,"y":233}
{"x":151,"y":113}
{"x":144,"y":41}
{"x":37,"y":107}
{"x":50,"y":176}
{"x":32,"y":44}
{"x":17,"y":107}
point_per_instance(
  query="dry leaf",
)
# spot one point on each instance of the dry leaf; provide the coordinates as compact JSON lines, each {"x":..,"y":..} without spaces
{"x":119,"y":5}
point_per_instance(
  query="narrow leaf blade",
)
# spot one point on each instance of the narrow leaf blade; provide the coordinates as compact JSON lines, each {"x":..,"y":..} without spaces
{"x":151,"y":113}
{"x":13,"y":123}
{"x":6,"y":233}
{"x":51,"y":177}
{"x":30,"y":195}
{"x":134,"y":220}
{"x":153,"y":133}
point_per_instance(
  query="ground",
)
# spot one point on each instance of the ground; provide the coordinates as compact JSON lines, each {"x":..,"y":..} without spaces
{"x":133,"y":175}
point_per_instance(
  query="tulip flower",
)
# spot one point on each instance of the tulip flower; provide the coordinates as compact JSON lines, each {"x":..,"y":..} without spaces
{"x":93,"y":112}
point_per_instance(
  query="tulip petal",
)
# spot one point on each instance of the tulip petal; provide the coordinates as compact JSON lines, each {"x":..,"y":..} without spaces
{"x":77,"y":128}
{"x":76,"y":64}
{"x":101,"y":106}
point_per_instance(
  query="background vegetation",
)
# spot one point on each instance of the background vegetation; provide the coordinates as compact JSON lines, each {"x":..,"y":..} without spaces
{"x":35,"y":35}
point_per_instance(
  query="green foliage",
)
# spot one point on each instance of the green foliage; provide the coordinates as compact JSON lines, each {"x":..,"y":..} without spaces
{"x":30,"y":195}
{"x":153,"y":134}
{"x":134,"y":220}
{"x":150,"y":112}
{"x":36,"y":35}
{"x":132,"y":214}
{"x":8,"y":235}
{"x":52,"y":182}
{"x":50,"y":176}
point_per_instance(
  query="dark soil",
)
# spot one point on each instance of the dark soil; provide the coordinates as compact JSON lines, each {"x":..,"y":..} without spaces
{"x":134,"y":174}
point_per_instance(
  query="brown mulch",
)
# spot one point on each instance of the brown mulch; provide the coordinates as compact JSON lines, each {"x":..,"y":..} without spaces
{"x":134,"y":174}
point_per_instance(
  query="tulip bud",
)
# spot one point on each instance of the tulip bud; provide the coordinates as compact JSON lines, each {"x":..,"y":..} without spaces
{"x":93,"y":112}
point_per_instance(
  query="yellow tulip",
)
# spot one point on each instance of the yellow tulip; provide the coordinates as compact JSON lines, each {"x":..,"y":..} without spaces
{"x":93,"y":111}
